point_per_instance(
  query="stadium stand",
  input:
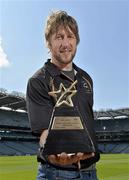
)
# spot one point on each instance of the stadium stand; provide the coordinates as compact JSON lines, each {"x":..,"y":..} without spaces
{"x":112,"y":128}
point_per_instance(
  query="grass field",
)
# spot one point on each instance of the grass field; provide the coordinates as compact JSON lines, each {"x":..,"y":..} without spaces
{"x":110,"y":167}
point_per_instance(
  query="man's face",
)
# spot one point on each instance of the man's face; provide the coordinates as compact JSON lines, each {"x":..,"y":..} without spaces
{"x":63,"y":46}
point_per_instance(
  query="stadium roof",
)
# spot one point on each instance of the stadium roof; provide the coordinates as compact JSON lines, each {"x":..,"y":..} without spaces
{"x":112,"y":114}
{"x":12,"y":100}
{"x":17,"y":101}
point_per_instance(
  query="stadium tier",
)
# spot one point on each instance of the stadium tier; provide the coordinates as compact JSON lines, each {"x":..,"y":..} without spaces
{"x":112,"y":128}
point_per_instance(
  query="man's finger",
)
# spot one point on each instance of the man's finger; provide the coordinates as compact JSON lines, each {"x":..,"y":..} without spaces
{"x":65,"y":159}
{"x":80,"y":154}
{"x":52,"y":158}
{"x":83,"y":156}
{"x":74,"y":158}
{"x":86,"y":156}
{"x":63,"y":156}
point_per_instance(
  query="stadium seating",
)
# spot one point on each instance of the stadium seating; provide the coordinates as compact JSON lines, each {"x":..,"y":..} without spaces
{"x":116,"y":147}
{"x":13,"y":118}
{"x":18,"y":148}
{"x":113,"y":125}
{"x":16,"y":137}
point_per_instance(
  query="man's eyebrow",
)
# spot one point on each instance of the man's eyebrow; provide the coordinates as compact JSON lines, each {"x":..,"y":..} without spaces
{"x":58,"y":34}
{"x":71,"y":34}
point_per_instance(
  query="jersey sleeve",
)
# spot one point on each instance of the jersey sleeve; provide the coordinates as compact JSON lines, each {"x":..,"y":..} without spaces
{"x":39,"y":105}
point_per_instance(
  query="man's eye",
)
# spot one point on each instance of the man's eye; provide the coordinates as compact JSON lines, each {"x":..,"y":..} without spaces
{"x":59,"y":37}
{"x":70,"y":37}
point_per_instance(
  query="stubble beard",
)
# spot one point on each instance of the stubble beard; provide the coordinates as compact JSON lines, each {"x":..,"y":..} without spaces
{"x":63,"y":61}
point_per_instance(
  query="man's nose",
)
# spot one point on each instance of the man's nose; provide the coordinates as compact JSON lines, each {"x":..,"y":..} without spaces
{"x":65,"y":42}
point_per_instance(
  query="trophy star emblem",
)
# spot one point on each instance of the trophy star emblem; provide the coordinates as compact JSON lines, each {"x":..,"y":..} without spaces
{"x":64,"y":95}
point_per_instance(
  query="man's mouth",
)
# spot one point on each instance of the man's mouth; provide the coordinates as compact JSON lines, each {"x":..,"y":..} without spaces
{"x":65,"y":51}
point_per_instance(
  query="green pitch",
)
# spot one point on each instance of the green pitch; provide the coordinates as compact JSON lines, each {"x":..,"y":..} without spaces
{"x":110,"y":167}
{"x":113,"y":167}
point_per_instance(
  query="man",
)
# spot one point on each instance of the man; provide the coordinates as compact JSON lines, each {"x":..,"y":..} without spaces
{"x":62,"y":38}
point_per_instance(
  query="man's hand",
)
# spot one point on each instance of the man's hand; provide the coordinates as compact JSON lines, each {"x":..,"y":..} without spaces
{"x":43,"y":137}
{"x":66,"y":159}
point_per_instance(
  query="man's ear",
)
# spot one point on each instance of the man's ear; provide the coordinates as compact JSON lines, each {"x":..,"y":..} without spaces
{"x":48,"y":45}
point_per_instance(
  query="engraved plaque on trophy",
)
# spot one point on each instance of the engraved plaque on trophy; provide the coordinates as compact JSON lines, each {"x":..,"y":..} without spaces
{"x":67,"y":132}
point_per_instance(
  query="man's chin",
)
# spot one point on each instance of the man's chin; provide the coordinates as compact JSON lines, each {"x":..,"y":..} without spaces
{"x":66,"y":61}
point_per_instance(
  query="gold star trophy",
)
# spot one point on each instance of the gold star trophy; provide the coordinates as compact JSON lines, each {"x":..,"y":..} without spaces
{"x":67,"y":131}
